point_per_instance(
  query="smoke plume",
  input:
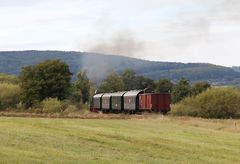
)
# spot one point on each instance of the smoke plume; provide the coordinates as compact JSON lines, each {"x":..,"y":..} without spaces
{"x":122,"y":43}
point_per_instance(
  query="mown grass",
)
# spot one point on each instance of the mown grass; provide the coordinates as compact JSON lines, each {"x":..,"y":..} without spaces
{"x":146,"y":140}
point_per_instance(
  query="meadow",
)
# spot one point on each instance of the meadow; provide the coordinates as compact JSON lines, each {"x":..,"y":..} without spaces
{"x":150,"y":139}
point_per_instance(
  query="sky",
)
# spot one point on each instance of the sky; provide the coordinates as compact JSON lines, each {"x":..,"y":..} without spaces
{"x":206,"y":31}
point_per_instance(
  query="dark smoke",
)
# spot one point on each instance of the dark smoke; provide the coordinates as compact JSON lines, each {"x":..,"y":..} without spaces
{"x":122,"y":43}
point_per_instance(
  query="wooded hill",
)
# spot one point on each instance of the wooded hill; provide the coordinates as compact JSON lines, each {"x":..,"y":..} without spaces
{"x":99,"y":65}
{"x":236,"y":68}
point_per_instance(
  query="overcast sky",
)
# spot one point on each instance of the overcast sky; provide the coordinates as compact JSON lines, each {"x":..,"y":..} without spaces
{"x":160,"y":30}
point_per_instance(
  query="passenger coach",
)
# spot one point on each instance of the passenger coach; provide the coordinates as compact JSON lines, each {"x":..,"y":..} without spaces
{"x":135,"y":101}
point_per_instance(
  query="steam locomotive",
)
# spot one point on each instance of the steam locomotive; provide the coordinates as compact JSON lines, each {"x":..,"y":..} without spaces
{"x":136,"y":101}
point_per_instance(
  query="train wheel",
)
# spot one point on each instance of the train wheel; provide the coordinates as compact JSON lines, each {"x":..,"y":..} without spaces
{"x":164,"y":112}
{"x":139,"y":112}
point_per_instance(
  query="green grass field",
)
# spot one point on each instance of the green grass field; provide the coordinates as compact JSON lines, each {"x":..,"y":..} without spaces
{"x":148,"y":140}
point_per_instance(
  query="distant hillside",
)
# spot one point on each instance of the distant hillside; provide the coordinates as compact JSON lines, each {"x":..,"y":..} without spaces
{"x":99,"y":65}
{"x":236,"y":68}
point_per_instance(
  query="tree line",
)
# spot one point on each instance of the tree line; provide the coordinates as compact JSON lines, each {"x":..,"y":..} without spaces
{"x":51,"y":79}
{"x":128,"y":80}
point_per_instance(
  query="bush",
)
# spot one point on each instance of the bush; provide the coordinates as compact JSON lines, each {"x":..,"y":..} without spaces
{"x":52,"y":105}
{"x":9,"y":95}
{"x":214,"y":103}
{"x":200,"y":87}
{"x":71,"y":109}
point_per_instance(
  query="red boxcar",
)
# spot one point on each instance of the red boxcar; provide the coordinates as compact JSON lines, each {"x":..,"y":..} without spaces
{"x":158,"y":102}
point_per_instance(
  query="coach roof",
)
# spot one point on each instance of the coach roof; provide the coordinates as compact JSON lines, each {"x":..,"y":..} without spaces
{"x":118,"y":94}
{"x":133,"y":93}
{"x":107,"y":95}
{"x":98,"y":95}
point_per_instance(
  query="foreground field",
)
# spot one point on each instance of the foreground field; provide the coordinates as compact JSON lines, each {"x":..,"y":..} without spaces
{"x":147,"y":140}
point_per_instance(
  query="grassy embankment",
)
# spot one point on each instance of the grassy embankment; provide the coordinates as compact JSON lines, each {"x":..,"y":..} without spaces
{"x":148,"y":140}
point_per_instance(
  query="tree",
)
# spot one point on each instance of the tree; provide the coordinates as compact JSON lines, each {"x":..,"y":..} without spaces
{"x":141,"y":83}
{"x":164,"y":86}
{"x":30,"y":89}
{"x":131,"y":81}
{"x":50,"y":78}
{"x":181,"y":90}
{"x":82,"y":86}
{"x":200,"y":87}
{"x":112,"y":83}
{"x":127,"y":81}
{"x":129,"y":77}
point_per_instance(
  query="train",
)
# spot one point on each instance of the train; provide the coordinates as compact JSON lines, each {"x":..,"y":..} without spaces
{"x":135,"y":101}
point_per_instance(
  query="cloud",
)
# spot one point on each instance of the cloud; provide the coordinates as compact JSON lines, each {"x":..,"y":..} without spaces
{"x":228,"y":10}
{"x":14,"y":3}
{"x":201,"y":26}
